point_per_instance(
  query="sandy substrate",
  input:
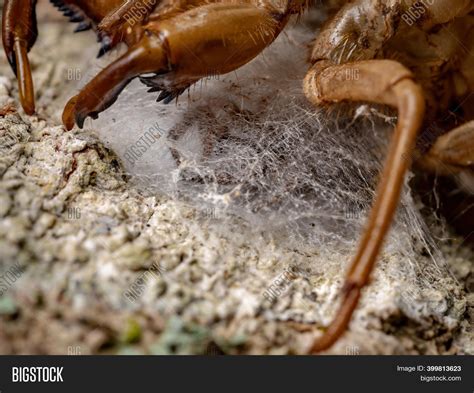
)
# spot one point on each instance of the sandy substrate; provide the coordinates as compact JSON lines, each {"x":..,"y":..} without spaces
{"x":90,"y":264}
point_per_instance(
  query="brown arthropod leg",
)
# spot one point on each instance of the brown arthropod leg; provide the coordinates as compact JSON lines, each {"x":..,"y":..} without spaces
{"x":19,"y":33}
{"x":227,"y":36}
{"x":384,"y":82}
{"x":105,"y":87}
{"x":453,"y":151}
{"x":346,"y":68}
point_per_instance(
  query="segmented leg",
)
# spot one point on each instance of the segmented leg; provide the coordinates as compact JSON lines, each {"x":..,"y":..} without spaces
{"x":19,"y":33}
{"x":384,"y":82}
{"x":452,"y":152}
{"x":226,"y":36}
{"x":88,"y":14}
{"x":103,"y":90}
{"x":131,"y":12}
{"x":92,"y":11}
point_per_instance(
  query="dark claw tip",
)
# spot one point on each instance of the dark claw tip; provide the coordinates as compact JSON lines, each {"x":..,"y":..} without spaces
{"x":80,"y":118}
{"x":69,"y":113}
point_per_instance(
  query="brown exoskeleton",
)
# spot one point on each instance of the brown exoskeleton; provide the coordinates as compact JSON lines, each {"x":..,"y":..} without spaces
{"x":415,"y":56}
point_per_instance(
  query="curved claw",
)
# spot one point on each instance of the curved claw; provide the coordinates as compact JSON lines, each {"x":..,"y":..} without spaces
{"x":19,"y":33}
{"x":25,"y":80}
{"x":102,"y":91}
{"x":73,"y":115}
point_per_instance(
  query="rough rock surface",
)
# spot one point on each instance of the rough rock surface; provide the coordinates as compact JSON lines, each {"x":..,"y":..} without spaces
{"x":92,"y":265}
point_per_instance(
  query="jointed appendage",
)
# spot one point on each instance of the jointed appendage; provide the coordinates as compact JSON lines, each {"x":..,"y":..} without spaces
{"x":385,"y":82}
{"x":182,"y":42}
{"x":19,"y":34}
{"x":453,"y":151}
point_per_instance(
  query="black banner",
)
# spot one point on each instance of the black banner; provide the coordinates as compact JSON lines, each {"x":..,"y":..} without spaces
{"x":221,"y":374}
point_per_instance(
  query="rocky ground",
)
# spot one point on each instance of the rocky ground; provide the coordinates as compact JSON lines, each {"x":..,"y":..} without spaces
{"x":89,"y":264}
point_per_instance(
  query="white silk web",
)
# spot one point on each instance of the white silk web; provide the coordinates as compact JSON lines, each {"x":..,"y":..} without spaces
{"x":248,"y":146}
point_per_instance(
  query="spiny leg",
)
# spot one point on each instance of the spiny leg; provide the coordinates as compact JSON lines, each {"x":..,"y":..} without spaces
{"x":102,"y":91}
{"x":227,"y":36}
{"x":88,"y":14}
{"x":385,"y":82}
{"x":19,"y":33}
